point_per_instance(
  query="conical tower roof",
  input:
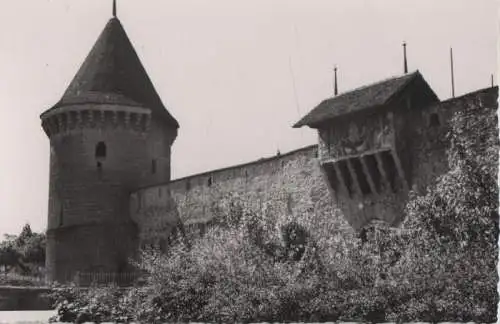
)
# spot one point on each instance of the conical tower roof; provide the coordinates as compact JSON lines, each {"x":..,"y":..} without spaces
{"x":113,"y":74}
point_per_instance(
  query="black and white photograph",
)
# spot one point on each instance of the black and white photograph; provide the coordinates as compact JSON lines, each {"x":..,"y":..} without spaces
{"x":263,"y":161}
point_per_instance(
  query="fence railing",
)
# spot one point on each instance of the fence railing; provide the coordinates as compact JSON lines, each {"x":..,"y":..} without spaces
{"x":106,"y":278}
{"x":14,"y":279}
{"x":81,"y":279}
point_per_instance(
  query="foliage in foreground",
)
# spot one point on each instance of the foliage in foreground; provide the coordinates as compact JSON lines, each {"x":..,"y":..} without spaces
{"x":439,"y":266}
{"x":24,"y":253}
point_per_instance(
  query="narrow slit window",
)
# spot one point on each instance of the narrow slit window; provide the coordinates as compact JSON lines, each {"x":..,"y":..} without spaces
{"x":153,"y":166}
{"x":209,"y":181}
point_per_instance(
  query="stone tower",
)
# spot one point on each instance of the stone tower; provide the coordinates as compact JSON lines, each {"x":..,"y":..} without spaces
{"x":110,"y":134}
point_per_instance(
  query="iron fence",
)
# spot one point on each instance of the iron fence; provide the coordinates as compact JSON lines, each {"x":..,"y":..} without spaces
{"x":106,"y":278}
{"x":14,"y":279}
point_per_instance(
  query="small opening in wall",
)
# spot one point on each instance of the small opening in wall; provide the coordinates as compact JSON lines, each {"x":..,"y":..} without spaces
{"x":434,"y":120}
{"x":100,"y":151}
{"x":210,"y":181}
{"x":188,"y":185}
{"x":153,"y":166}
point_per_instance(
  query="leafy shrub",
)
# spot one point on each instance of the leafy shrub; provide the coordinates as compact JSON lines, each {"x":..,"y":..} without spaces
{"x":265,"y":263}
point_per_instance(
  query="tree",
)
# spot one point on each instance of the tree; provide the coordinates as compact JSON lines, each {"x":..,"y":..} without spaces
{"x":452,"y":252}
{"x":9,"y":256}
{"x":25,"y":251}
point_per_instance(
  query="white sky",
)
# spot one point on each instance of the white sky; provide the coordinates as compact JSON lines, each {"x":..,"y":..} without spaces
{"x":224,"y":70}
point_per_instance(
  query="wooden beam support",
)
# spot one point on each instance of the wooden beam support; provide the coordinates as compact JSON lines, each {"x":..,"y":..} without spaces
{"x":399,"y":167}
{"x":368,"y":175}
{"x":380,"y":166}
{"x":339,"y":175}
{"x":354,"y":177}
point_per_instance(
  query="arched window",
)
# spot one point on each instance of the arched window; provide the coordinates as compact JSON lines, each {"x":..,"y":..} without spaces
{"x":100,"y":151}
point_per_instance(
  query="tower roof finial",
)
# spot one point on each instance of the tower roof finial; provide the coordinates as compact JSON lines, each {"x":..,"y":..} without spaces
{"x":335,"y":88}
{"x":404,"y":54}
{"x":114,"y":8}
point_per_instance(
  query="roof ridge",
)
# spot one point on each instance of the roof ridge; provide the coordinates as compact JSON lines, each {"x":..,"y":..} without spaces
{"x":408,"y":75}
{"x":378,"y":93}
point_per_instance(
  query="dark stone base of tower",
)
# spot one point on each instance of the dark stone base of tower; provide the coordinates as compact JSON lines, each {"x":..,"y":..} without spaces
{"x":88,"y":249}
{"x":110,"y":137}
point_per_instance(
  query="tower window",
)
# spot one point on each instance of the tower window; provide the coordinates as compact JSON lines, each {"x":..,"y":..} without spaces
{"x":153,"y":166}
{"x":210,"y":181}
{"x":434,"y":120}
{"x":100,"y":151}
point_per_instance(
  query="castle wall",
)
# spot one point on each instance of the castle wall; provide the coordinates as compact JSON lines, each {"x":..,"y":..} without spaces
{"x":428,"y":142}
{"x":420,"y":148}
{"x":294,"y":180}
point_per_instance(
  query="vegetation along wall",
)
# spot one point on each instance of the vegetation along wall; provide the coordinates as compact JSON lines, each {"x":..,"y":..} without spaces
{"x":300,"y":185}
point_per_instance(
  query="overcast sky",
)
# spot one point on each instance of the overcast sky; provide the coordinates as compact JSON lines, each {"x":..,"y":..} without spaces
{"x":235,"y":74}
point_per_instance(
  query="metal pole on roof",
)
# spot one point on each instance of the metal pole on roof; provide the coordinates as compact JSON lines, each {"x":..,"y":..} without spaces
{"x":114,"y":8}
{"x":404,"y":55}
{"x":452,"y":74}
{"x":492,"y":81}
{"x":335,"y":88}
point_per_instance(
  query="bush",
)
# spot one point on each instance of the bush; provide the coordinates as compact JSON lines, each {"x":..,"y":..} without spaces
{"x":267,"y":264}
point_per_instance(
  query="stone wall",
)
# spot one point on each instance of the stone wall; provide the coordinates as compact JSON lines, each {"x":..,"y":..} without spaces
{"x":300,"y":181}
{"x":290,"y":185}
{"x":429,"y":144}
